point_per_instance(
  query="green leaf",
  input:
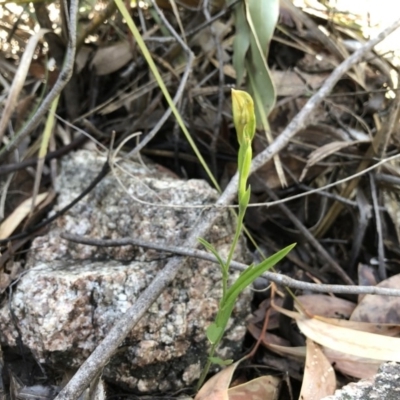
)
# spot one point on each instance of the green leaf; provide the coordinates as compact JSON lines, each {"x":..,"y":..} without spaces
{"x":214,"y":332}
{"x":262,"y":17}
{"x":213,"y":250}
{"x":220,"y":361}
{"x":244,"y":200}
{"x":241,"y":42}
{"x":251,"y":274}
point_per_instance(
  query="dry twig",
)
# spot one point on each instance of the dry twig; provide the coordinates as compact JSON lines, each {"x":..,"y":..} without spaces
{"x":271,"y":276}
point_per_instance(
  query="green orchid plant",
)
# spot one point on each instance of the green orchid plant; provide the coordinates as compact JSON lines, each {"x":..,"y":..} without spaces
{"x":245,"y":123}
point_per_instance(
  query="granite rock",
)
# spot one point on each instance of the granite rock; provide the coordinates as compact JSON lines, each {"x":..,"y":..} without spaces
{"x":384,"y":386}
{"x":71,"y":294}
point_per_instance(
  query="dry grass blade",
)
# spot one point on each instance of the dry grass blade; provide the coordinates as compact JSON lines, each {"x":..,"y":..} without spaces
{"x":19,"y":80}
{"x":48,"y":130}
{"x":8,"y":226}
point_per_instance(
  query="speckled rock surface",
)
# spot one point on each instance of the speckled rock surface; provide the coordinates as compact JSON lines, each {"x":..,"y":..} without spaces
{"x":72,"y":294}
{"x":385,"y":386}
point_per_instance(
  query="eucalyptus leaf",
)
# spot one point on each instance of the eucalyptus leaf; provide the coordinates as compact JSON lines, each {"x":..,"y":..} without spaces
{"x":241,"y":42}
{"x":262,"y":17}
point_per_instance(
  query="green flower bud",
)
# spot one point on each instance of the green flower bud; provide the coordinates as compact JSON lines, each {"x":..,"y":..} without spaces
{"x":243,"y":115}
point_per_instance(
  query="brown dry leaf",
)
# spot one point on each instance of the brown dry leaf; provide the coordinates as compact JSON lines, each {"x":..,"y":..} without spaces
{"x":380,"y":329}
{"x":82,"y":57}
{"x":327,"y":306}
{"x":112,"y":58}
{"x":268,"y":338}
{"x":206,"y":38}
{"x":350,"y":341}
{"x":380,"y":309}
{"x":358,"y":367}
{"x":216,"y":388}
{"x":259,"y":314}
{"x":319,"y":377}
{"x":287,"y":83}
{"x":346,"y":340}
{"x":8,"y":226}
{"x":262,"y":388}
{"x":291,"y":84}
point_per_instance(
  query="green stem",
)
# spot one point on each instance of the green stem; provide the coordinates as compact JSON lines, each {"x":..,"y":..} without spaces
{"x":204,"y":373}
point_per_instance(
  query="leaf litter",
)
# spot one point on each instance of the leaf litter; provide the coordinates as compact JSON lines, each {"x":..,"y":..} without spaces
{"x":352,"y":129}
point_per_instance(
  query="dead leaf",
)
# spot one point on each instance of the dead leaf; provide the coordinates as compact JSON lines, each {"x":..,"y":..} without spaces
{"x":380,"y":309}
{"x":358,"y":367}
{"x":262,"y":388}
{"x":112,"y":58}
{"x":326,"y":306}
{"x":346,"y":340}
{"x":319,"y":377}
{"x":216,"y":388}
{"x":350,"y":341}
{"x":290,"y":84}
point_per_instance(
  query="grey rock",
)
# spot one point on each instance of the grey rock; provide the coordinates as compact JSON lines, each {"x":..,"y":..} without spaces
{"x":71,"y":294}
{"x":384,"y":386}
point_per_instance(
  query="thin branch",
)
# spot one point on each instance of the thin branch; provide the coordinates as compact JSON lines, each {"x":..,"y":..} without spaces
{"x":128,"y":321}
{"x":271,"y":276}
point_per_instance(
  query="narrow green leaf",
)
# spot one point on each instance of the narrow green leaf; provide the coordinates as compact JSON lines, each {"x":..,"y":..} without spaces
{"x":213,"y":250}
{"x":244,"y":200}
{"x":251,"y":274}
{"x":220,"y":361}
{"x":261,"y":17}
{"x":214,"y":332}
{"x":244,"y":280}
